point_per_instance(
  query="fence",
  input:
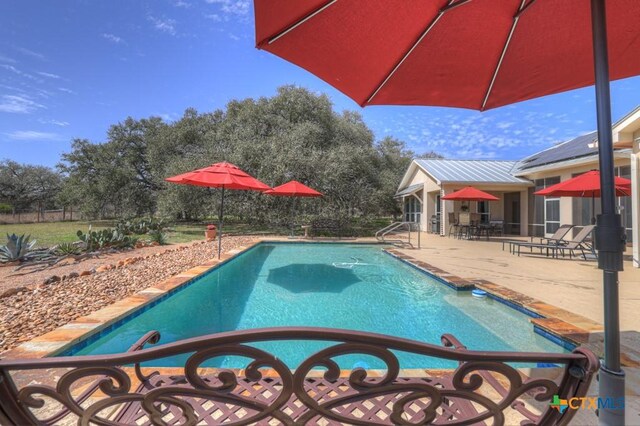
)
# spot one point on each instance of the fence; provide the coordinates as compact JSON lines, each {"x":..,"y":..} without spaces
{"x":32,"y":216}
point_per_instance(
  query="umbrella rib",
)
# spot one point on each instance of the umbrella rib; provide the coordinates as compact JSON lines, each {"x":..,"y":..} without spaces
{"x":514,"y":24}
{"x":298,"y":23}
{"x":451,"y":5}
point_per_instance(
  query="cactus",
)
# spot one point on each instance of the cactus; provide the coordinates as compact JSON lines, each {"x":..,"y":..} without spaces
{"x":95,"y":240}
{"x":17,"y":248}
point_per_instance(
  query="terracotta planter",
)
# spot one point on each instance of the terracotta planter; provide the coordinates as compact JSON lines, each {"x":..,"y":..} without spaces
{"x":210,"y":234}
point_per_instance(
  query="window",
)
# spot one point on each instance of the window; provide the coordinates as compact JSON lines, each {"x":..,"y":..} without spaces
{"x":483,"y":209}
{"x":544,"y":213}
{"x":412,"y":209}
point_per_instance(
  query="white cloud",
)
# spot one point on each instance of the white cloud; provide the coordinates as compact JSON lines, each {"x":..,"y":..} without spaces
{"x":165,"y":25}
{"x":214,"y":17}
{"x":48,"y":74}
{"x":233,"y":7}
{"x":30,"y":53}
{"x":32,"y":135}
{"x":20,"y":73}
{"x":113,"y":38}
{"x":7,"y":59}
{"x":182,"y":3}
{"x":18,"y":104}
{"x":54,"y":122}
{"x":65,"y":90}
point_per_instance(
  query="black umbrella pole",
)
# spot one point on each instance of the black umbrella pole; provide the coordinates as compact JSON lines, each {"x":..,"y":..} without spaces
{"x":609,"y":234}
{"x":220,"y":223}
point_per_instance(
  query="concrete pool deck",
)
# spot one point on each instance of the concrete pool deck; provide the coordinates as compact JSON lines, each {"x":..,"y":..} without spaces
{"x":571,"y":284}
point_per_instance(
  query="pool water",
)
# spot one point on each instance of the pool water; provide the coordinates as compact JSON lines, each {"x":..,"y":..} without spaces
{"x":349,"y":286}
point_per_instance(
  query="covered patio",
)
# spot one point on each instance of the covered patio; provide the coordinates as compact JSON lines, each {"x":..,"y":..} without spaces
{"x":428,"y":180}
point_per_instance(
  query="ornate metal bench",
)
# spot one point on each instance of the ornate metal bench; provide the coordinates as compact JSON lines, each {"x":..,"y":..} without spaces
{"x":115,"y":389}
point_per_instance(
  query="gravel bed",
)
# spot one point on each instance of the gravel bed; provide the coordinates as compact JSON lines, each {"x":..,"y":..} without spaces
{"x":33,"y":312}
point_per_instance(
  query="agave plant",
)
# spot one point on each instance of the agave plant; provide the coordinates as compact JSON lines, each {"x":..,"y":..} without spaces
{"x":17,"y":248}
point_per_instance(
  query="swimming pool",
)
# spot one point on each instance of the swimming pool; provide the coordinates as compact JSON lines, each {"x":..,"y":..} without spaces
{"x":349,"y":286}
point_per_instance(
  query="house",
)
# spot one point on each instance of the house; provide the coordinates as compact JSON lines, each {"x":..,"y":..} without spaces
{"x":426,"y":181}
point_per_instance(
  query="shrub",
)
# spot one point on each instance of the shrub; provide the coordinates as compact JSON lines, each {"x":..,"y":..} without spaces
{"x":5,"y":208}
{"x":158,"y":237}
{"x":65,"y":249}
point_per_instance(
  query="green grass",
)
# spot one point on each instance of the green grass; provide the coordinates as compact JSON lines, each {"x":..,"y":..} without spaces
{"x":50,"y":234}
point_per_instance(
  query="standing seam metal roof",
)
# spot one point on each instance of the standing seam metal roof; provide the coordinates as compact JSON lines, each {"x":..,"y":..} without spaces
{"x":481,"y":171}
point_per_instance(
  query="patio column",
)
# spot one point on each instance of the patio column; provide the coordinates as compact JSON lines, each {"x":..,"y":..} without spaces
{"x":524,"y":213}
{"x":635,"y":204}
{"x":444,"y":216}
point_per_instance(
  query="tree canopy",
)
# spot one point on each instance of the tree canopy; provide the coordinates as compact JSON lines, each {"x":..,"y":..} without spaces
{"x":295,"y":134}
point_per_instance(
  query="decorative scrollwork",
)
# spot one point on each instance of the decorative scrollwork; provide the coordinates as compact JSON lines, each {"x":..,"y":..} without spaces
{"x":317,"y":389}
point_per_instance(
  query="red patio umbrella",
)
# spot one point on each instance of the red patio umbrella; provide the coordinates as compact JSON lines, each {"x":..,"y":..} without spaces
{"x":470,"y":194}
{"x":586,"y":185}
{"x":220,"y":175}
{"x":293,"y":189}
{"x":479,"y":55}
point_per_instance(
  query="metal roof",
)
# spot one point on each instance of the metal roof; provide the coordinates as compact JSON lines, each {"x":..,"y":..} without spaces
{"x":480,"y":171}
{"x":410,"y":190}
{"x":581,"y":146}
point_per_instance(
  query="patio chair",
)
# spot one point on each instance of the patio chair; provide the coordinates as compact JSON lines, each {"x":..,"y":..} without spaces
{"x":484,"y":388}
{"x":579,"y":242}
{"x":557,"y":238}
{"x":464,"y":225}
{"x":497,"y":227}
{"x":453,"y":224}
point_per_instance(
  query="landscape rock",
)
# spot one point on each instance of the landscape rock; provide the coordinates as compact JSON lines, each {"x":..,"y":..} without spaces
{"x":26,"y":313}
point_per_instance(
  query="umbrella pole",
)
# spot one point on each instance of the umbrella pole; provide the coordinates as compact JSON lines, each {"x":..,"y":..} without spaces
{"x":293,"y":202}
{"x":220,"y":216}
{"x":609,"y":234}
{"x":593,"y":209}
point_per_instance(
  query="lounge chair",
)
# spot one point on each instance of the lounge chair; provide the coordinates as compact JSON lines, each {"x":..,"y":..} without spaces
{"x":557,"y":238}
{"x":579,"y":242}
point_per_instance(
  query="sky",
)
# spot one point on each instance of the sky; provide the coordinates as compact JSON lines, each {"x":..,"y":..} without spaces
{"x":71,"y":68}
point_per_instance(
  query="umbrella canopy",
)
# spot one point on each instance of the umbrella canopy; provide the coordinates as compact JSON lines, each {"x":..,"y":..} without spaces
{"x":293,"y":189}
{"x":220,"y":175}
{"x":468,"y":54}
{"x":470,"y":194}
{"x":479,"y":55}
{"x":585,"y":185}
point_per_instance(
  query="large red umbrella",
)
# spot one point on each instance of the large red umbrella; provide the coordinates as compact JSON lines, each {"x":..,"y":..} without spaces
{"x":470,"y":193}
{"x":293,"y":189}
{"x":220,"y":175}
{"x":480,"y":55}
{"x":586,"y":185}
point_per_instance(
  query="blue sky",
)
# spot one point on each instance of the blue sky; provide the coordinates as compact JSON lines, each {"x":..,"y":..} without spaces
{"x":71,"y":68}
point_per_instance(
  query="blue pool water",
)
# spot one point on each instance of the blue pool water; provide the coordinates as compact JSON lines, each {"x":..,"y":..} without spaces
{"x":346,"y":286}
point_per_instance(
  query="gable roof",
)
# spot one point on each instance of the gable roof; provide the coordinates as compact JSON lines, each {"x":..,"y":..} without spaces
{"x":471,"y":171}
{"x":581,"y":146}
